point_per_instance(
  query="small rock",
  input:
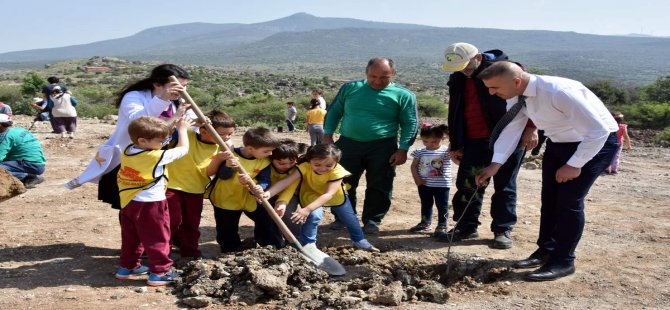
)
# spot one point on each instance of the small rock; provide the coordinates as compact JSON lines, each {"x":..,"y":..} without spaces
{"x":197,"y":302}
{"x":69,"y":289}
{"x":390,"y":295}
{"x":142,"y":289}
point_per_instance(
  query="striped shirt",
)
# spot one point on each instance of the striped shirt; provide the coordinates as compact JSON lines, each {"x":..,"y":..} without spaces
{"x":434,"y":166}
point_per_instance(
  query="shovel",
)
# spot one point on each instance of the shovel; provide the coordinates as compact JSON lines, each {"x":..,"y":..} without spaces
{"x":310,"y":252}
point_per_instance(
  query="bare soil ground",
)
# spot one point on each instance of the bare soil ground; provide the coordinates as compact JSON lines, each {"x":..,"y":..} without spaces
{"x":59,"y":248}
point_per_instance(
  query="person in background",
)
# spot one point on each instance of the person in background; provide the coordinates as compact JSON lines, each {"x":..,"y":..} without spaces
{"x":378,"y":122}
{"x":624,"y":141}
{"x":43,"y":112}
{"x":63,"y":112}
{"x":5,"y":109}
{"x":46,"y":96}
{"x":318,"y":95}
{"x":315,"y":118}
{"x":473,"y":113}
{"x":21,"y":153}
{"x":291,"y":113}
{"x":582,"y":142}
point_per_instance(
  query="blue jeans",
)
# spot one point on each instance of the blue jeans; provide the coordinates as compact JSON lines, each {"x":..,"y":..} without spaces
{"x":441,"y":197}
{"x":476,"y":156}
{"x":21,"y":168}
{"x":562,"y":213}
{"x":345,"y":214}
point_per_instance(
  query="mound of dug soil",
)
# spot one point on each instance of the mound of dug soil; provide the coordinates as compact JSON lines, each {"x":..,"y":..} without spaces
{"x":283,"y":278}
{"x":9,"y":185}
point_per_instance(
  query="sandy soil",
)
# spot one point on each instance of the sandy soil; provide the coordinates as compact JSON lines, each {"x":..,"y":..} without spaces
{"x":58,"y":248}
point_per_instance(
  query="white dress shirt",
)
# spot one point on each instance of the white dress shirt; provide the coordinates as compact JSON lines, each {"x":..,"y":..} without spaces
{"x":567,"y":111}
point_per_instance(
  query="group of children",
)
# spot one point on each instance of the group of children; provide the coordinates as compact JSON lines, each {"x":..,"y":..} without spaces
{"x":162,"y":184}
{"x":160,"y":208}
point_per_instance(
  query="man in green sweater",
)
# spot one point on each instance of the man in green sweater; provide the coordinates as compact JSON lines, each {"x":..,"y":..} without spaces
{"x":370,"y":113}
{"x":21,"y":153}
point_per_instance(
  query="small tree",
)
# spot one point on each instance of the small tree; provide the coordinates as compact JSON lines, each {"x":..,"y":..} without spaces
{"x":658,"y":91}
{"x":32,"y":84}
{"x":609,"y":93}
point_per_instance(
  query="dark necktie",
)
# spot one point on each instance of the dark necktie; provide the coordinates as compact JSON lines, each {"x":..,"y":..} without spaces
{"x":505,"y":120}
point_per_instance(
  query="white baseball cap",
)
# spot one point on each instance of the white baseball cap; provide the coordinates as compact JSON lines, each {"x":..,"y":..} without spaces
{"x":458,"y":55}
{"x":4,"y":118}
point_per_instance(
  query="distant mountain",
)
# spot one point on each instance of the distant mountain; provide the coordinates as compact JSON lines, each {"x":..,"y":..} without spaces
{"x":303,"y":38}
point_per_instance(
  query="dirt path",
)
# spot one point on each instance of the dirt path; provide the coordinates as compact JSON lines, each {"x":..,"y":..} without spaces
{"x":58,"y":248}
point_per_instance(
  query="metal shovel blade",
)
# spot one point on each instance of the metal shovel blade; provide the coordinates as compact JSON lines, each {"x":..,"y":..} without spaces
{"x":322,"y":260}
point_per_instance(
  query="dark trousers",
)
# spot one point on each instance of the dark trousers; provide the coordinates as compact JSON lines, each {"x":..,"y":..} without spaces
{"x":290,"y":125}
{"x":372,"y":158}
{"x":476,"y":156}
{"x":185,"y":214}
{"x":438,"y":195}
{"x":266,"y":231}
{"x":108,"y":188}
{"x":562,"y":212}
{"x":540,"y":140}
{"x":145,"y":227}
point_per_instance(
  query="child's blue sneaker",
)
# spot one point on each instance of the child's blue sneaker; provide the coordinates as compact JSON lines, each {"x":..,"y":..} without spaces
{"x":162,"y":280}
{"x":127,"y":274}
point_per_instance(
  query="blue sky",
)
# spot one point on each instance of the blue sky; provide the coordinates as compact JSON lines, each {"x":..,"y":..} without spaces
{"x":30,"y":24}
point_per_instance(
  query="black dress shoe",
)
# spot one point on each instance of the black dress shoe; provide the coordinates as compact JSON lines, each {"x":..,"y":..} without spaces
{"x":550,"y":272}
{"x":537,"y":259}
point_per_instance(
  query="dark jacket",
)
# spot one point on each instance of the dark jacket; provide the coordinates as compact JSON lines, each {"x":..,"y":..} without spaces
{"x":493,"y":107}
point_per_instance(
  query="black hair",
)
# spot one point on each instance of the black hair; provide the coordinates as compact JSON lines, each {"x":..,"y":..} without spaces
{"x":287,"y":148}
{"x":160,"y":75}
{"x":321,"y":151}
{"x":53,"y":80}
{"x":260,"y":137}
{"x":314,"y":103}
{"x":434,"y":131}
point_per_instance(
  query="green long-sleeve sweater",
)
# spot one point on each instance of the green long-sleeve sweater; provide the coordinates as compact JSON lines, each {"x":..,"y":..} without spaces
{"x":20,"y":144}
{"x":367,"y":114}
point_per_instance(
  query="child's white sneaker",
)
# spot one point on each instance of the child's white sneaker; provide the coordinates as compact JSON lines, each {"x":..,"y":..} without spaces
{"x":365,"y":245}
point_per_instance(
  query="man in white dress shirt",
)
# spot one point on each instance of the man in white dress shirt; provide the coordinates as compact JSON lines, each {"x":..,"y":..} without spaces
{"x":582,"y":142}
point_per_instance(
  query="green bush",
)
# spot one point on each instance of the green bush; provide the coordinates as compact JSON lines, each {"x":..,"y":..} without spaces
{"x":647,"y":115}
{"x":11,"y":95}
{"x":664,"y":136}
{"x":430,"y":106}
{"x":85,"y":109}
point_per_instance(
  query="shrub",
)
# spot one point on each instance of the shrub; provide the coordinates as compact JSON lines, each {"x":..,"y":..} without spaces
{"x":85,"y":109}
{"x":430,"y":106}
{"x":663,"y":137}
{"x":647,"y":115}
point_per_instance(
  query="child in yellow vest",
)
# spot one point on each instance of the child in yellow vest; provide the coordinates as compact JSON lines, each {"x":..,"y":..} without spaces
{"x":144,"y":217}
{"x":230,"y":195}
{"x":284,"y":159}
{"x":189,"y":180}
{"x":320,"y":180}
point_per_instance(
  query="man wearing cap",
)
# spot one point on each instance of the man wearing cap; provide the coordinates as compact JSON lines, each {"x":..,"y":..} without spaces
{"x":378,"y":122}
{"x":473,"y":113}
{"x":21,"y":153}
{"x":582,"y":142}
